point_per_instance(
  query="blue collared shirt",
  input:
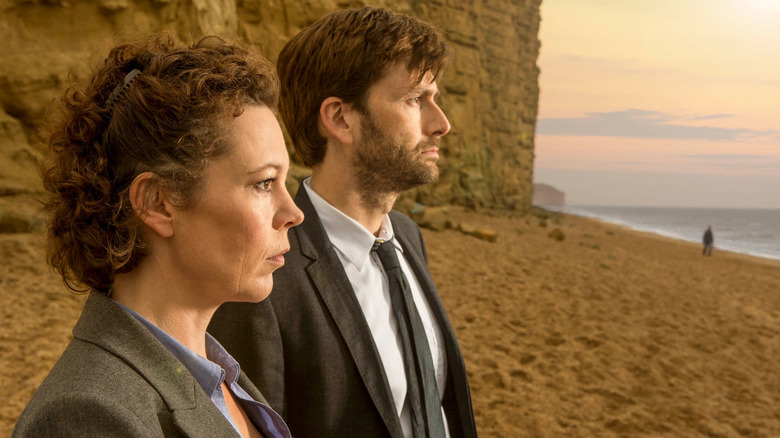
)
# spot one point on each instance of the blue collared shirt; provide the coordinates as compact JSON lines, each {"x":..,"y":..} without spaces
{"x":210,"y":373}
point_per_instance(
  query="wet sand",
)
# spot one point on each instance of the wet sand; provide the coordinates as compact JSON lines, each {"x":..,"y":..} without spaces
{"x":607,"y":333}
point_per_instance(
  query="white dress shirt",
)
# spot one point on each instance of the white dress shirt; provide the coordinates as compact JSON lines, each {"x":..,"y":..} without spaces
{"x":353,"y":243}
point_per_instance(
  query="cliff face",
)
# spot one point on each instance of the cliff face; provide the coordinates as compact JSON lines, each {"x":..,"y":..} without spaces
{"x":489,"y":92}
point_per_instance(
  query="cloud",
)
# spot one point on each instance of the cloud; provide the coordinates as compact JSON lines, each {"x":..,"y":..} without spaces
{"x":637,"y":123}
{"x":712,"y":116}
{"x":749,"y":166}
{"x":735,"y":161}
{"x":630,"y":163}
{"x":604,"y":65}
{"x":727,"y":156}
{"x":744,"y":162}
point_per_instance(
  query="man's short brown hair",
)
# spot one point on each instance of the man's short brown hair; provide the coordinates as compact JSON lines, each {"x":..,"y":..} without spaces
{"x":342,"y":55}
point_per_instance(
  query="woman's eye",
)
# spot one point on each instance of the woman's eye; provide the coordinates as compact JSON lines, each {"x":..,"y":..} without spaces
{"x":265,"y":185}
{"x":415,"y":100}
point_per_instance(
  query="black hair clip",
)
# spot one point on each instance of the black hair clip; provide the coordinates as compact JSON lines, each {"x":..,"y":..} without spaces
{"x":121,"y":87}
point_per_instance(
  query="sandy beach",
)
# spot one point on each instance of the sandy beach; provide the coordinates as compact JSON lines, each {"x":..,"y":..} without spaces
{"x":607,"y":333}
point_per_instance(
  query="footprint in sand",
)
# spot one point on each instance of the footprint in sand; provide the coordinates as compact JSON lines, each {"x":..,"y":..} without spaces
{"x":555,"y":340}
{"x":520,"y":374}
{"x":588,"y":342}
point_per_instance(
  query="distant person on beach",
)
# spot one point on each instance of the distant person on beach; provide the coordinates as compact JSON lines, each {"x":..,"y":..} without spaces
{"x":354,"y":341}
{"x":709,"y":240}
{"x":166,"y":179}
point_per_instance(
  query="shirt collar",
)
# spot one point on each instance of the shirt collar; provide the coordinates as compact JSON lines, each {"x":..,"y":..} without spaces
{"x":209,"y":373}
{"x":351,"y":238}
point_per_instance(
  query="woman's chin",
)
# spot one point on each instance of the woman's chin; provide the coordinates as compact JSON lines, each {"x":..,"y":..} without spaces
{"x":256,"y":293}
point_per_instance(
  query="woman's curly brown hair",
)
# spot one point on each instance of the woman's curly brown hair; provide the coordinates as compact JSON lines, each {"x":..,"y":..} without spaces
{"x":169,"y":120}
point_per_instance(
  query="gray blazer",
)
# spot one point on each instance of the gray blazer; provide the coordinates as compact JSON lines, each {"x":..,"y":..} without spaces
{"x":116,"y":379}
{"x":309,"y":348}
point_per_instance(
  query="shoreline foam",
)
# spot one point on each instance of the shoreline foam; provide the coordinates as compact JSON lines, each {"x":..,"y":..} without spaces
{"x":603,"y":217}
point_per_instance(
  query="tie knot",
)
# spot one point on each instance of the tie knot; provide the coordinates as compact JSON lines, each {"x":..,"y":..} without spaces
{"x":382,"y":245}
{"x":386,"y":252}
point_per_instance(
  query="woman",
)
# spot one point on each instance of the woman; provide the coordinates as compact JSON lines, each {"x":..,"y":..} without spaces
{"x":166,"y":176}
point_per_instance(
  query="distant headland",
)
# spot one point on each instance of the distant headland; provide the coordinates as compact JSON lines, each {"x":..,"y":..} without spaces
{"x":545,"y":194}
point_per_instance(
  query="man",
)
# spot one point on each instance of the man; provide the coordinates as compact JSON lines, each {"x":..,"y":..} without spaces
{"x":709,"y":240}
{"x":347,"y":345}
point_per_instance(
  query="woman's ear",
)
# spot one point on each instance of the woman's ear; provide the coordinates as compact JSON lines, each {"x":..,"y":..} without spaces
{"x":338,"y":120}
{"x":151,"y":204}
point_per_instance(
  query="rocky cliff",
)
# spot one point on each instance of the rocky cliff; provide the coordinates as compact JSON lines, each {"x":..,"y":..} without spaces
{"x":490,"y":91}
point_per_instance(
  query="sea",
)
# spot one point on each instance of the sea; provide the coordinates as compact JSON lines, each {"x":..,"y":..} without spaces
{"x":754,"y":232}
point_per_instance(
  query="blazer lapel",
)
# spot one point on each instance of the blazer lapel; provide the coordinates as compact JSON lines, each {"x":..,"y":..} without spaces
{"x":420,"y":268}
{"x":199,"y":421}
{"x":457,"y":377}
{"x":333,"y":286}
{"x":251,"y":389}
{"x":105,"y":324}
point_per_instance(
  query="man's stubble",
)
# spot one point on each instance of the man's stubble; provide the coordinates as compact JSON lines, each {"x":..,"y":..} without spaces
{"x":384,"y":166}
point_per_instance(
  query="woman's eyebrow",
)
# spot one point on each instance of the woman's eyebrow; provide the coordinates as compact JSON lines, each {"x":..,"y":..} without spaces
{"x":259,"y":169}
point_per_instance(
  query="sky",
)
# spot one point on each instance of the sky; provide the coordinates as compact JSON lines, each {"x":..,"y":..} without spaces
{"x":660,"y":102}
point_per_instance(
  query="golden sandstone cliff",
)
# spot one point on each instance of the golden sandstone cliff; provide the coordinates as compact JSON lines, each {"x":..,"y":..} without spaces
{"x":489,"y":92}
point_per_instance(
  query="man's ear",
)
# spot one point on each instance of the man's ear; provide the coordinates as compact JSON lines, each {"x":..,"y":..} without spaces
{"x":151,"y":205}
{"x":338,"y":120}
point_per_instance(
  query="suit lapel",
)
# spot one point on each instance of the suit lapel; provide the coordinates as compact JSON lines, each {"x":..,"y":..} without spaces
{"x":420,"y":268}
{"x":460,"y":399}
{"x":199,"y":422}
{"x":251,"y":389}
{"x":105,"y":324}
{"x":333,"y":286}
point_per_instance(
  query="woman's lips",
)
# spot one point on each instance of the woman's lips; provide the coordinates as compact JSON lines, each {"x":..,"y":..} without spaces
{"x":279,"y":258}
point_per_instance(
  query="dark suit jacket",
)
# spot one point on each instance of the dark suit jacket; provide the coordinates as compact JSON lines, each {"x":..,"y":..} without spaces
{"x":309,"y":348}
{"x":115,"y":379}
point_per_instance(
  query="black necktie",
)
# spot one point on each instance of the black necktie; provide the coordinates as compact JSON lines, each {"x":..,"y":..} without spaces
{"x":421,"y":390}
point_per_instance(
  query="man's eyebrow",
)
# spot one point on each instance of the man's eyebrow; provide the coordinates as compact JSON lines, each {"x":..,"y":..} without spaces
{"x":424,"y":91}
